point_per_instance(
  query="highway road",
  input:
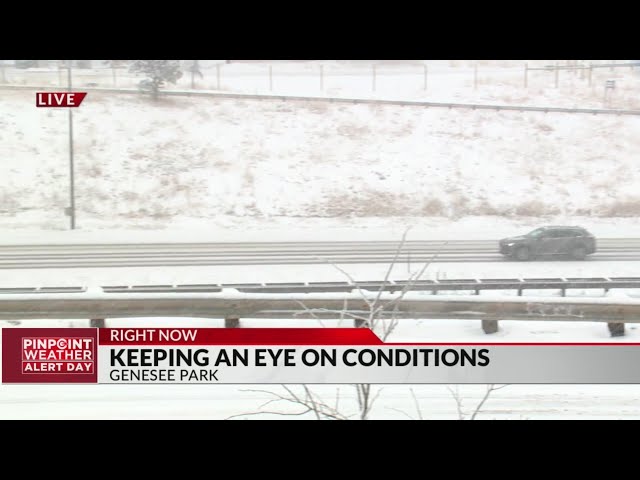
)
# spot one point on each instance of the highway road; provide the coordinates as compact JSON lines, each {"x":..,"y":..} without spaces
{"x":280,"y":253}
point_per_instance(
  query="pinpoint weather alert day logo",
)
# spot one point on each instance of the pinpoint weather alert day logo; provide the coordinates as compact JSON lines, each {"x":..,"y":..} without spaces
{"x":58,"y":354}
{"x":49,"y":355}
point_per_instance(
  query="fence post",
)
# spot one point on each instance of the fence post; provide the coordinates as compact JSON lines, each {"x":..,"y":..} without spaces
{"x":425,"y":77}
{"x":590,"y":72}
{"x":475,"y":76}
{"x":374,"y":78}
{"x":231,"y":322}
{"x":616,"y":329}
{"x":557,"y":74}
{"x":526,"y":71}
{"x":322,"y":78}
{"x":489,"y":326}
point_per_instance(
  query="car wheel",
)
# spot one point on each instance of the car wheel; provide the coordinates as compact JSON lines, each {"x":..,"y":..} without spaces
{"x":579,"y":253}
{"x":522,"y":254}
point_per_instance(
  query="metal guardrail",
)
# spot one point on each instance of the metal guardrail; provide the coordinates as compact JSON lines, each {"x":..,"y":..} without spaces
{"x":232,"y":305}
{"x":330,"y":300}
{"x":42,"y":290}
{"x":433,"y":286}
{"x":246,"y":96}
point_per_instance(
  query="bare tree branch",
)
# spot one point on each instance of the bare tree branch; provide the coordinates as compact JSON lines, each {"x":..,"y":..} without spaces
{"x":458,"y":400}
{"x":374,"y":319}
{"x":402,"y":412}
{"x":417,"y":405}
{"x":312,"y":311}
{"x":351,"y":279}
{"x":344,"y":309}
{"x":414,"y":278}
{"x":310,"y":403}
{"x":313,"y":403}
{"x":461,"y":414}
{"x":490,"y":388}
{"x":375,"y":397}
{"x":391,"y":266}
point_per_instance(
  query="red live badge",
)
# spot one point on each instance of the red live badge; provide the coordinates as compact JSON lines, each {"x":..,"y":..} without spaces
{"x":59,"y":99}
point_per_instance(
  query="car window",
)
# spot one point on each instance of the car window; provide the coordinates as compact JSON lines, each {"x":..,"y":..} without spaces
{"x":537,"y":233}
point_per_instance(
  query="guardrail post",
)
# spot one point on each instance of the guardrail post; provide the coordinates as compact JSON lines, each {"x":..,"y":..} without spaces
{"x":231,"y":322}
{"x":616,"y":329}
{"x":359,"y":323}
{"x":97,"y":323}
{"x":526,"y":72}
{"x":489,"y":326}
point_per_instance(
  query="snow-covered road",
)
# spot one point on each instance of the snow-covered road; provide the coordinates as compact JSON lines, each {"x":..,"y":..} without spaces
{"x":284,"y":253}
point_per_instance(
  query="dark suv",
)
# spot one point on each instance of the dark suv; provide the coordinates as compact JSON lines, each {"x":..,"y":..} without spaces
{"x":573,"y":241}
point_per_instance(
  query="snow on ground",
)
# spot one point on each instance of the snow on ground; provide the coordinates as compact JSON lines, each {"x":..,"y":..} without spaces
{"x":226,"y":228}
{"x":237,"y":170}
{"x":89,"y":277}
{"x":200,"y":160}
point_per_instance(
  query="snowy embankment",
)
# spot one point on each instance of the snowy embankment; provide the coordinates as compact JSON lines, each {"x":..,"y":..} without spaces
{"x":232,"y":163}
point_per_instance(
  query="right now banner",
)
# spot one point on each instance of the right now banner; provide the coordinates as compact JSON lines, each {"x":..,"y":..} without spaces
{"x":298,"y":356}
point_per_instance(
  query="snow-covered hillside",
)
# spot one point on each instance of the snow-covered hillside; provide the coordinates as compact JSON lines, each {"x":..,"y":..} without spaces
{"x":140,"y":164}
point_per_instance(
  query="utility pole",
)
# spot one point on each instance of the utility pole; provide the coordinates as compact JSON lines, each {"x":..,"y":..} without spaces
{"x":72,"y":208}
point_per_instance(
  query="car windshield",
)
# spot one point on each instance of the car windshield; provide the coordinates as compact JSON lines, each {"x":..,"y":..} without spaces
{"x":536,"y":233}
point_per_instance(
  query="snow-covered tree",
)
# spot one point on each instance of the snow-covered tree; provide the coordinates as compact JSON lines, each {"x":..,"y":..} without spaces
{"x":157,"y":72}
